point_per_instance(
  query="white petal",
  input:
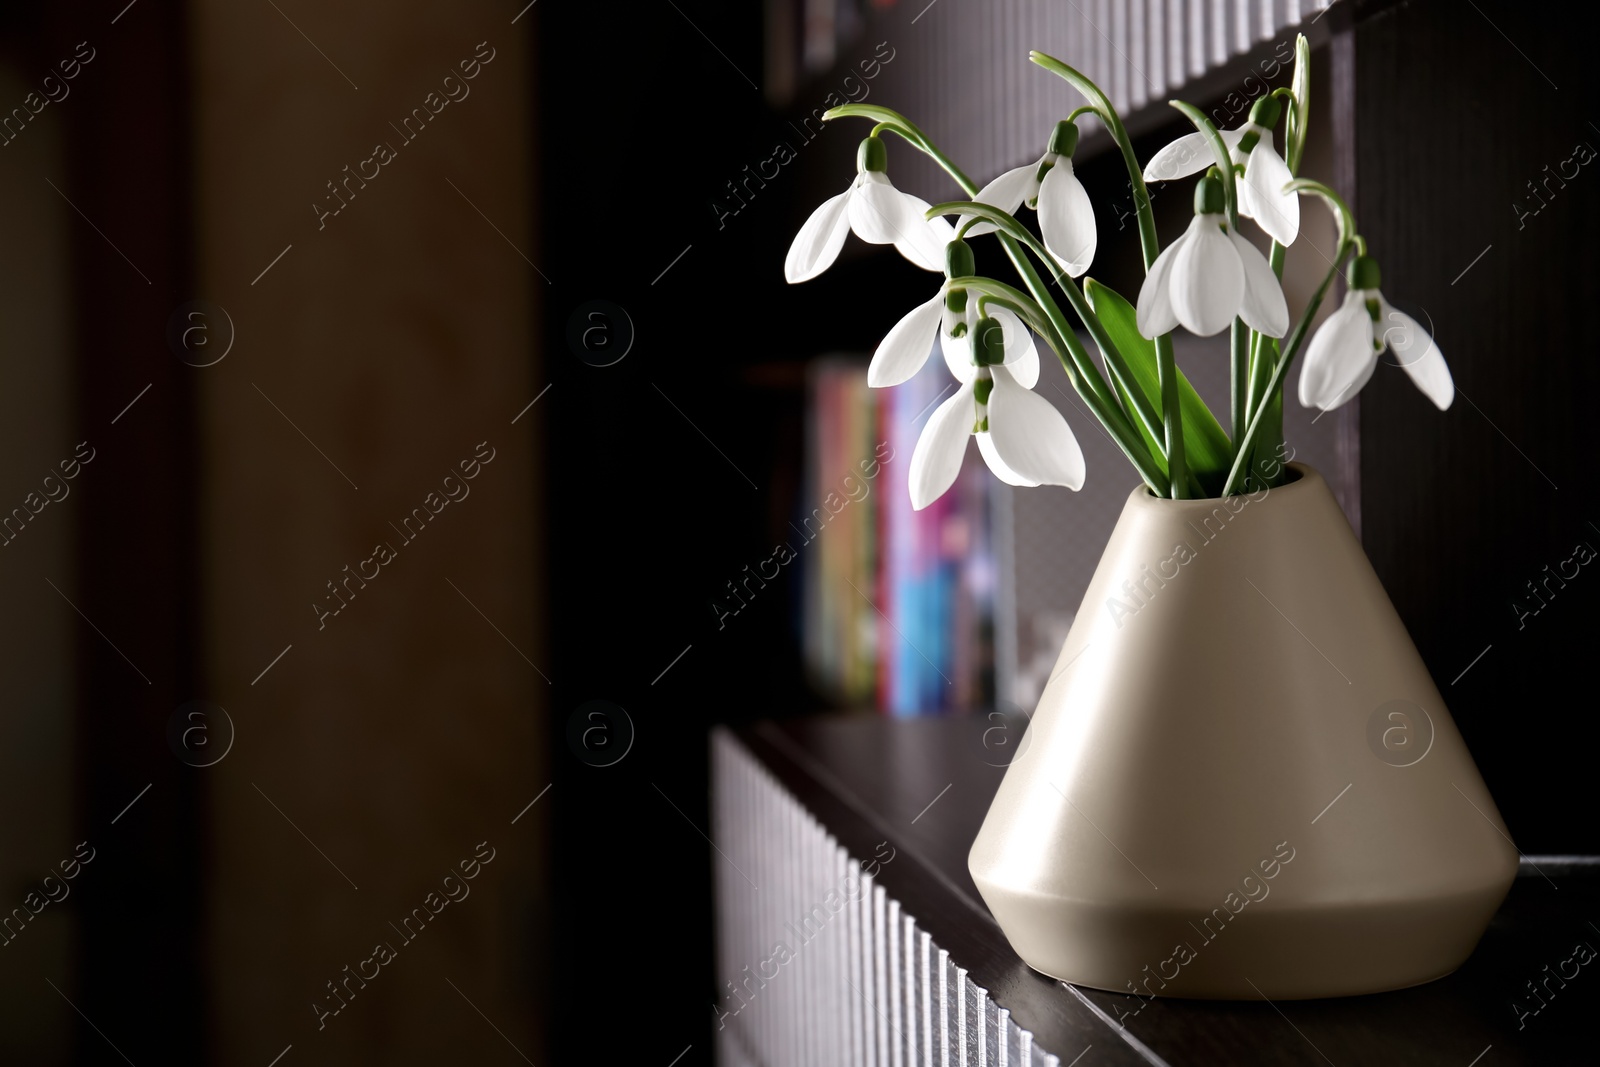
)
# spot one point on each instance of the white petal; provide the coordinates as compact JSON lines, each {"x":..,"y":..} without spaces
{"x":876,"y":210}
{"x":906,"y":346}
{"x":817,"y":244}
{"x":1417,"y":353}
{"x":1189,"y":154}
{"x":936,"y":460}
{"x":1022,"y":356}
{"x":1274,"y":210}
{"x":1007,"y":193}
{"x":922,"y":239}
{"x":1207,"y":278}
{"x":1263,"y":308}
{"x":1155,"y":315}
{"x":880,"y":214}
{"x":958,"y":350}
{"x":1030,"y":436}
{"x":998,"y":465}
{"x":1354,"y":385}
{"x":1340,"y":354}
{"x":1066,"y":218}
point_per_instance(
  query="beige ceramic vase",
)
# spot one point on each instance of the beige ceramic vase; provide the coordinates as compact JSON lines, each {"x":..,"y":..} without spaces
{"x":1241,"y":781}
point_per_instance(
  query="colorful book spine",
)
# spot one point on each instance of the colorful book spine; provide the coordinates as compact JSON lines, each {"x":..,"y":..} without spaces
{"x":898,"y":604}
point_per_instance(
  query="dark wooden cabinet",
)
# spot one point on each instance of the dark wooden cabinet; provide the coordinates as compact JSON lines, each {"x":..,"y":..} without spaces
{"x":849,"y":932}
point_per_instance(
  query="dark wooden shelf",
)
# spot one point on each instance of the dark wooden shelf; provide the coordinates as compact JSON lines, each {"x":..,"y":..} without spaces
{"x":868,"y":779}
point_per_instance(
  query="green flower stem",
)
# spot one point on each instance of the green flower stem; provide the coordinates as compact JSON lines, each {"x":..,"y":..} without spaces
{"x":1080,"y":369}
{"x":1291,"y":348}
{"x":1088,"y":381}
{"x":1260,"y":392}
{"x":1219,"y":148}
{"x":1261,"y":368}
{"x":1007,"y":225}
{"x":1240,"y":343}
{"x":1295,"y":118}
{"x":1166,"y":364}
{"x":1041,"y":292}
{"x":1063,"y":344}
{"x":1167,"y":374}
{"x":1101,"y":106}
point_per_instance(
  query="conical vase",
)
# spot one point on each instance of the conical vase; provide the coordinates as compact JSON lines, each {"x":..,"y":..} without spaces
{"x":1241,"y":781}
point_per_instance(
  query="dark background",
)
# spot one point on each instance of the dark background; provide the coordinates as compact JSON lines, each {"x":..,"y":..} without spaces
{"x":640,"y":490}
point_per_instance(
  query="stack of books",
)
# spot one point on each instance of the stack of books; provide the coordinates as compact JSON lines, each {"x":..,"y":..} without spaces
{"x":898,"y":605}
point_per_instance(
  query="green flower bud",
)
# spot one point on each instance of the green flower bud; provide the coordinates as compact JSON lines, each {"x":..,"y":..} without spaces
{"x":872,"y":155}
{"x":958,"y":261}
{"x":1364,"y":273}
{"x":1208,"y":196}
{"x":1266,"y":111}
{"x":988,"y":343}
{"x":1064,"y":140}
{"x":1265,"y":114}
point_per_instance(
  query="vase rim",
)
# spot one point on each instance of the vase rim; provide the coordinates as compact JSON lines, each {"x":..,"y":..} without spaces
{"x":1306,"y":477}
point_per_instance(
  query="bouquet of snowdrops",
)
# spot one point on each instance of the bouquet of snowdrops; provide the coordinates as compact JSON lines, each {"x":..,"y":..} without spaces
{"x":1210,"y":279}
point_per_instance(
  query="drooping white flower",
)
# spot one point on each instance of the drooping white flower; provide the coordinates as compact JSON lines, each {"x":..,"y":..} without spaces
{"x":879,"y":214}
{"x":1210,"y":275}
{"x":1344,"y":351}
{"x":952,"y":315}
{"x":1066,"y":217}
{"x":1260,"y":191}
{"x":1021,"y":436}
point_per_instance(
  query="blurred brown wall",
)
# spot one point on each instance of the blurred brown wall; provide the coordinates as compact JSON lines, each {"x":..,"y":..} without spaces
{"x":37,"y":633}
{"x":396,"y":335}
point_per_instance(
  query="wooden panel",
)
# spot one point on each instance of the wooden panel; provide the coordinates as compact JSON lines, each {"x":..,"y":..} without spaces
{"x":1477,"y":203}
{"x":388,"y":346}
{"x":137,"y":660}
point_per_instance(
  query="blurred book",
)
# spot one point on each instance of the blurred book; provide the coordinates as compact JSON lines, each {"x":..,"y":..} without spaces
{"x":898,"y":605}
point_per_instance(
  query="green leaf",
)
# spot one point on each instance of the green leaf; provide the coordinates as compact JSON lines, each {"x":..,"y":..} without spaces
{"x":1206,"y":444}
{"x":1300,"y":114}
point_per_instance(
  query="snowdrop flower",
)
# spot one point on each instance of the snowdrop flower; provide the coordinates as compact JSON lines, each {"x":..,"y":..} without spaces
{"x":879,"y":214}
{"x":1021,"y":435}
{"x":1261,"y":193}
{"x":1208,"y":276}
{"x":952,"y":316}
{"x":1344,"y":351}
{"x":1066,"y":218}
